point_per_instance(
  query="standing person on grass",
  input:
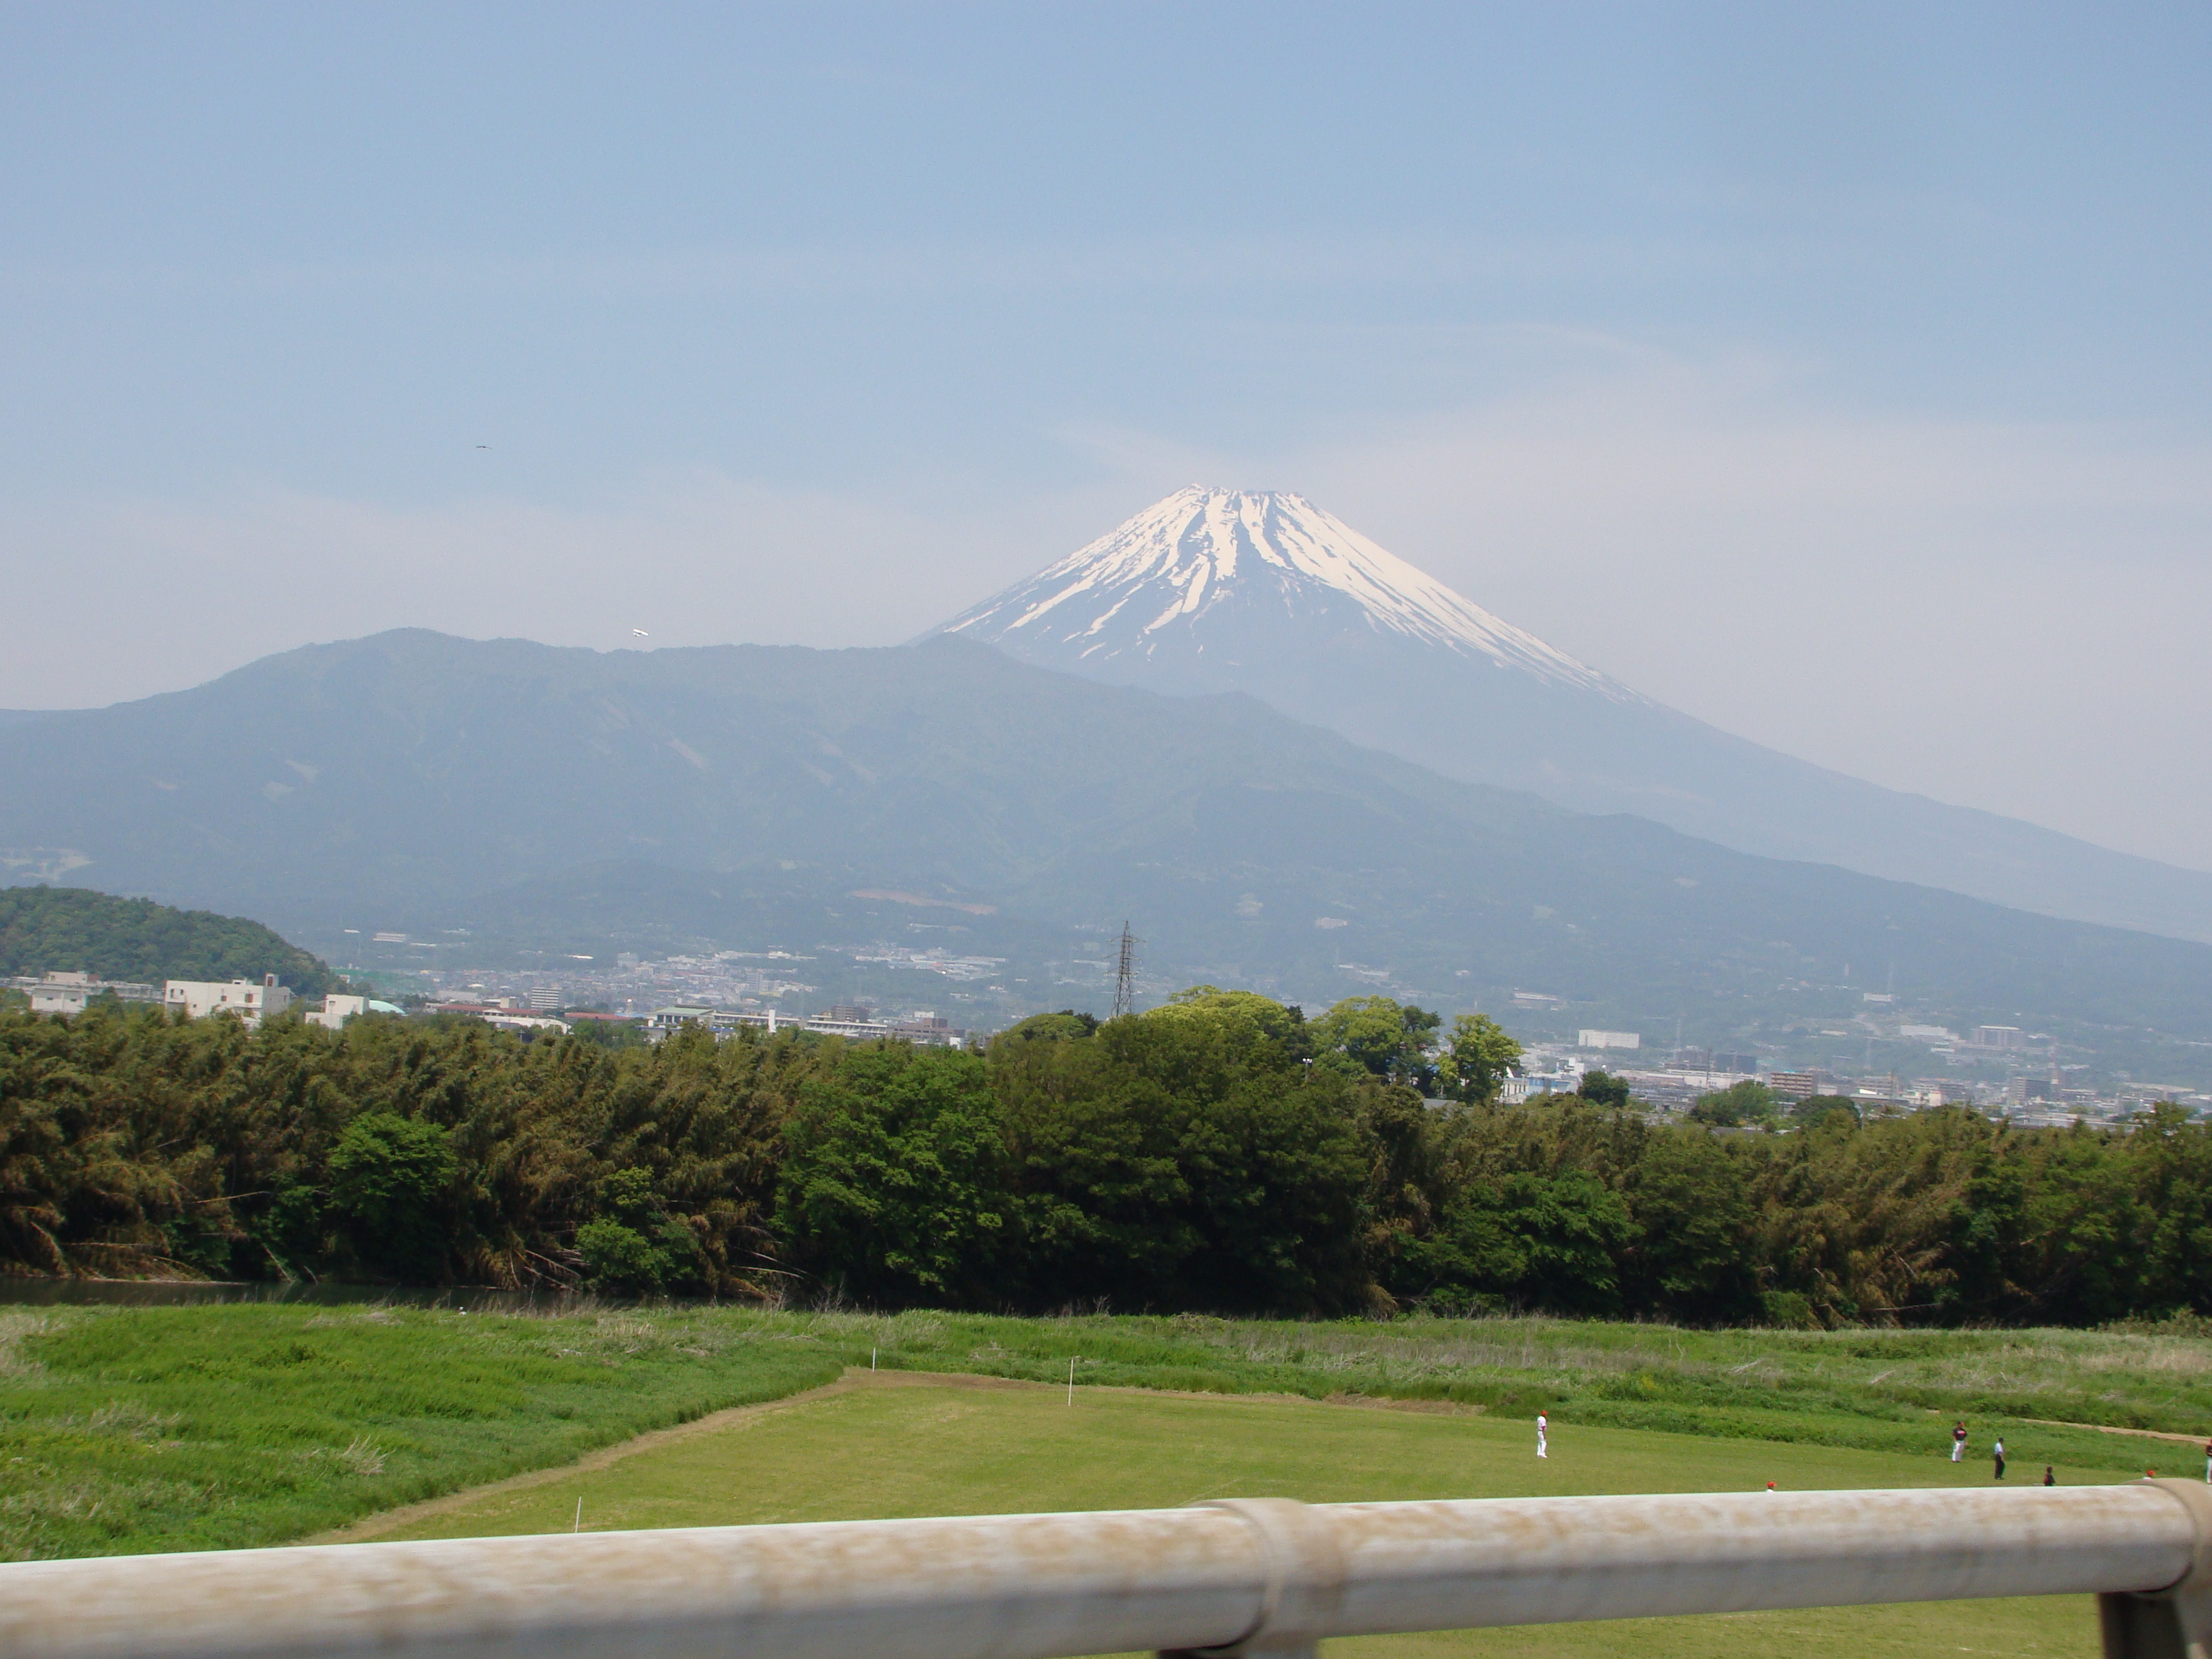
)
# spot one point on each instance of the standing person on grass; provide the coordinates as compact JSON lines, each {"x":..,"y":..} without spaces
{"x":2207,"y":1463}
{"x":1958,"y":1444}
{"x":1543,"y":1427}
{"x":1997,"y":1452}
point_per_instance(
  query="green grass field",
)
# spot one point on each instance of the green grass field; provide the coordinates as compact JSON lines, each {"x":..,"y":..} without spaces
{"x":216,"y":1427}
{"x":906,"y":1444}
{"x":145,"y":1428}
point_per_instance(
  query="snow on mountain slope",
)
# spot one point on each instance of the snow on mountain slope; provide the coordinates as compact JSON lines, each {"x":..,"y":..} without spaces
{"x":1205,"y":569}
{"x":1216,"y":590}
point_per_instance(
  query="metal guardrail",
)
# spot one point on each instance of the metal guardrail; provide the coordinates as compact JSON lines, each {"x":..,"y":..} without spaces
{"x":1256,"y":1576}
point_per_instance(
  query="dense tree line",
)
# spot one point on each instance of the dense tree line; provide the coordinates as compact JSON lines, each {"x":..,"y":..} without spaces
{"x":1222,"y":1152}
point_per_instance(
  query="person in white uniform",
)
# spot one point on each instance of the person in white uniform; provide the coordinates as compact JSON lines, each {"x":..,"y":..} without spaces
{"x":1543,"y":1427}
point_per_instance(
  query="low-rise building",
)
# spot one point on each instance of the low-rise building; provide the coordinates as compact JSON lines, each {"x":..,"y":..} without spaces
{"x":251,"y":1001}
{"x":1796,"y":1086}
{"x":1700,"y":1064}
{"x":510,"y":1021}
{"x":336,"y":1010}
{"x":661,"y":1021}
{"x":1588,"y":1039}
{"x":926,"y":1029}
{"x":72,"y":992}
{"x":1540,"y":1074}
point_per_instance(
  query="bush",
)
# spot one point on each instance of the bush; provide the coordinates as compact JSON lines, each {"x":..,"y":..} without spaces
{"x":390,"y":1181}
{"x":1749,"y":1102}
{"x":893,"y":1184}
{"x":634,"y":1245}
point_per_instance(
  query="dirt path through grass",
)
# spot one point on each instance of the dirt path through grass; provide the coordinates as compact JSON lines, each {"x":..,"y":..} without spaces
{"x":389,"y":1521}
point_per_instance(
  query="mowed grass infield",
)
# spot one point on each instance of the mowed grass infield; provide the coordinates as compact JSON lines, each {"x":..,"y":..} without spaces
{"x":889,"y":1444}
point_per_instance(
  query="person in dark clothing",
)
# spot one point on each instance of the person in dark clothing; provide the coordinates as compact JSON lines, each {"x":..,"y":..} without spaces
{"x":1997,"y":1452}
{"x":2050,"y":1475}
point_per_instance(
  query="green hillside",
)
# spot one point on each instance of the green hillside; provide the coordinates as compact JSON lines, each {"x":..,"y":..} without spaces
{"x":497,"y":797}
{"x":75,"y":930}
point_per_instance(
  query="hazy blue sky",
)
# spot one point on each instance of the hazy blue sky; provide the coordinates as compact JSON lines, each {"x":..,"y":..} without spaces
{"x":1840,"y":374}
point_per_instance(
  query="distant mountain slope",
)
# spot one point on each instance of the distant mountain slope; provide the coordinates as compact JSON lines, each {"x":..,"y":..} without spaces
{"x":1220,"y":589}
{"x":415,"y":781}
{"x":71,"y":930}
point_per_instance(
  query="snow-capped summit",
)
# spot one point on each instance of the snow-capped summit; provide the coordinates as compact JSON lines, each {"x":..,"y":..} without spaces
{"x":1222,"y":590}
{"x":1226,"y":575}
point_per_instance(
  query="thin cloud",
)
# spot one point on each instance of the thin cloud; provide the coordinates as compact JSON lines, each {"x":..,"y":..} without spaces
{"x":2001,"y":615}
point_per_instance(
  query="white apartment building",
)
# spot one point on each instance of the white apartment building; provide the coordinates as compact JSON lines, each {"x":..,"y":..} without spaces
{"x":251,"y":1002}
{"x":1609,"y":1040}
{"x":336,"y":1010}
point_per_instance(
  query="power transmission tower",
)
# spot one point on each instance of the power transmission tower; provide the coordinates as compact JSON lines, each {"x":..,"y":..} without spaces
{"x":1125,"y":976}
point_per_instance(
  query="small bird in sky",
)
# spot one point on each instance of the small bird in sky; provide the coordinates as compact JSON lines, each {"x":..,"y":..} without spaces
{"x":484,"y":446}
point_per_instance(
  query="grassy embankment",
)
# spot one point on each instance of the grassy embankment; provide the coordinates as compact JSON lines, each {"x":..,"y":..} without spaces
{"x":218,"y":1427}
{"x":147,"y":1429}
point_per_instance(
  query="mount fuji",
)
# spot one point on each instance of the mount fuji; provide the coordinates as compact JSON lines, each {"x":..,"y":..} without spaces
{"x":1263,"y":593}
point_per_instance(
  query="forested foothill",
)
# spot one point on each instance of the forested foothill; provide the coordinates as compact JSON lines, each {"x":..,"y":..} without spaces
{"x":75,"y":930}
{"x":1221,"y":1153}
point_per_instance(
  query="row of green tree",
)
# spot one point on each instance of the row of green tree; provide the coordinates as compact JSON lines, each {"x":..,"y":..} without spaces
{"x":1222,"y":1152}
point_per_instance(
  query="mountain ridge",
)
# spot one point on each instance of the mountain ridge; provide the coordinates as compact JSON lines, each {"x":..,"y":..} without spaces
{"x":417,"y":782}
{"x":1190,"y":596}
